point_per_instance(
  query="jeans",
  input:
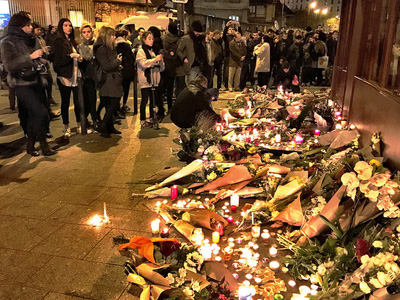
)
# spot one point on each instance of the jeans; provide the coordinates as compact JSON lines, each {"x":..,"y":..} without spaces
{"x":262,"y":78}
{"x":112,"y":106}
{"x":31,"y":101}
{"x":90,"y":98}
{"x":218,"y":72}
{"x":65,"y":92}
{"x":234,"y":77}
{"x":167,"y":84}
{"x":126,"y":83}
{"x":146,"y":96}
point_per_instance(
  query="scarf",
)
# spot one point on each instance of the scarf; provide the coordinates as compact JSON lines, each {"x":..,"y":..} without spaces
{"x":27,"y":38}
{"x":147,"y":72}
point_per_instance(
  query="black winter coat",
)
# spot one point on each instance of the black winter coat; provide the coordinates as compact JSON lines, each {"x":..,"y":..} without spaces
{"x":188,"y":105}
{"x":128,"y":59}
{"x":15,"y":55}
{"x":109,"y":63}
{"x":63,"y":63}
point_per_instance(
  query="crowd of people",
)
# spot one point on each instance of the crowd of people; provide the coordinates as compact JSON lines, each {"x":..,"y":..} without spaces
{"x":167,"y":65}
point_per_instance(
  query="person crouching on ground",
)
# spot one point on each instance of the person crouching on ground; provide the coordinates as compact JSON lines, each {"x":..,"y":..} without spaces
{"x":287,"y":79}
{"x":149,"y":68}
{"x":20,"y":58}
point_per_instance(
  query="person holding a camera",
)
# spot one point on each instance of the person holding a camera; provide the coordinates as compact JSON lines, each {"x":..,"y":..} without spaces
{"x":149,"y":67}
{"x":66,"y":58}
{"x":20,"y":57}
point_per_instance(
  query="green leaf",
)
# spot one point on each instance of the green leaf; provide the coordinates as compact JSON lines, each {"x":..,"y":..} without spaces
{"x":335,"y":229}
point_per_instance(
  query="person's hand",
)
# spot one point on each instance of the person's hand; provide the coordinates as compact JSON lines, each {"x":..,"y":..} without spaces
{"x":159,"y":57}
{"x":242,"y":59}
{"x":229,"y":23}
{"x":36,"y":54}
{"x":172,"y":53}
{"x":74,"y":55}
{"x":119,"y":57}
{"x":185,"y":60}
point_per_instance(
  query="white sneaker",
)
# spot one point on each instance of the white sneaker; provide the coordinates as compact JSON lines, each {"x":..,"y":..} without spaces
{"x":67,"y":132}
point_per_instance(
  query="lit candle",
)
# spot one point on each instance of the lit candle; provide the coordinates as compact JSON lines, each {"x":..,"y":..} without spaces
{"x":274,"y":265}
{"x":265,"y":235}
{"x":174,"y":192}
{"x":258,"y":280}
{"x":338,"y":126}
{"x":105,"y":214}
{"x":239,"y":241}
{"x":206,"y":252}
{"x":255,"y":231}
{"x":230,"y":219}
{"x":219,"y":227}
{"x":215,"y":237}
{"x":352,"y":126}
{"x":255,"y":247}
{"x":338,"y":114}
{"x":235,"y":200}
{"x":278,"y":138}
{"x":224,"y":207}
{"x":330,"y":103}
{"x":237,"y":223}
{"x":249,"y":276}
{"x":317,"y":132}
{"x":235,"y":265}
{"x":273,"y":251}
{"x":233,"y":208}
{"x":218,"y":258}
{"x":155,"y":226}
{"x":164,"y":233}
{"x":292,"y":283}
{"x":298,"y":139}
{"x":304,"y":290}
{"x":344,"y":123}
{"x":236,"y":276}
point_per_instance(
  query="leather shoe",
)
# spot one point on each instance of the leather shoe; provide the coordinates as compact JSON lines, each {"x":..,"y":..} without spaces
{"x":48,"y":152}
{"x":33,"y":152}
{"x":54,"y":115}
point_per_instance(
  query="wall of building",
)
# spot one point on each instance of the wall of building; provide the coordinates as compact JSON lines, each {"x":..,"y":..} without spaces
{"x":222,"y":8}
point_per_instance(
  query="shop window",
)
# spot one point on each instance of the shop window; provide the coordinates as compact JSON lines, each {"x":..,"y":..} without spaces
{"x":76,"y":17}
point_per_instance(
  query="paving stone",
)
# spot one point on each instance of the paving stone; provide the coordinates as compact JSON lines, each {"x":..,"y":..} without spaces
{"x":81,"y":279}
{"x":57,"y":296}
{"x":72,"y":241}
{"x":18,"y":267}
{"x":10,"y":291}
{"x":75,"y":194}
{"x":30,"y":209}
{"x":33,"y":189}
{"x":23,"y":233}
{"x":76,"y":214}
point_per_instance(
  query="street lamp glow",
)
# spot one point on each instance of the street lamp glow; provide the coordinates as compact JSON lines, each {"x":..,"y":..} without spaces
{"x":324,"y":11}
{"x":313,"y":4}
{"x":317,"y":11}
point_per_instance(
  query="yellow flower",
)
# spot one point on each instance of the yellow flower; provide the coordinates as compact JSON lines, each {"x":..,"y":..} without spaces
{"x":211,"y":176}
{"x":377,"y":244}
{"x":186,"y":217}
{"x":274,"y":214}
{"x":252,"y":150}
{"x":374,"y":162}
{"x":218,"y":157}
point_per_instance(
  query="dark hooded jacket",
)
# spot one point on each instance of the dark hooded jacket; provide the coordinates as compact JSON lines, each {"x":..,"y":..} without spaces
{"x":109,"y":63}
{"x":170,"y":44}
{"x":16,"y":48}
{"x":192,"y":101}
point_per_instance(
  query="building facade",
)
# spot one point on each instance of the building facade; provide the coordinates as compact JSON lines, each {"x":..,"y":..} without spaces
{"x":366,"y":79}
{"x":333,"y":6}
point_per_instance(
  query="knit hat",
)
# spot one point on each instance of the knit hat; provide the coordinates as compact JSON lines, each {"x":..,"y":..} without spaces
{"x":197,"y":26}
{"x":19,"y":20}
{"x":173,"y":28}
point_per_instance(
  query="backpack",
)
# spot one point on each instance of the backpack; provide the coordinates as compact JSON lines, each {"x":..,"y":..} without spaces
{"x":171,"y":61}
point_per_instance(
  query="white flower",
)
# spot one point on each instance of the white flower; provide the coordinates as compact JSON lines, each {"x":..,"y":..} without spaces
{"x":321,"y":269}
{"x":170,"y":278}
{"x":188,"y":291}
{"x":382,"y":278}
{"x":376,"y":283}
{"x":180,"y":281}
{"x":351,"y":182}
{"x":364,"y":259}
{"x":377,"y":244}
{"x":200,"y":149}
{"x":365,"y":288}
{"x":380,"y":179}
{"x":364,"y":170}
{"x":196,"y":286}
{"x":182,"y":272}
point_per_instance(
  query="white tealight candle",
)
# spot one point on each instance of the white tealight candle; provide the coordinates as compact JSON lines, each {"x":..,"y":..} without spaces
{"x":304,"y":290}
{"x":226,"y":203}
{"x":255,"y":247}
{"x":273,"y":251}
{"x":265,"y":235}
{"x":249,"y":276}
{"x":274,"y":264}
{"x":235,"y":200}
{"x":246,"y":283}
{"x":258,"y":280}
{"x":251,"y":244}
{"x":218,"y":258}
{"x":292,"y":283}
{"x":155,"y":226}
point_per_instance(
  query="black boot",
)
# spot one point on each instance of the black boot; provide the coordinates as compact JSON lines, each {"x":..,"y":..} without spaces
{"x":46,"y":150}
{"x":30,"y":147}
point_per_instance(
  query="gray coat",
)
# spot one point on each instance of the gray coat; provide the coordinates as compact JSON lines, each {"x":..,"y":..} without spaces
{"x":109,"y":63}
{"x":185,"y":50}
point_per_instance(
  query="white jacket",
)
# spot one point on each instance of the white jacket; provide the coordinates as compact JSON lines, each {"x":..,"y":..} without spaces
{"x":263,"y":57}
{"x":143,"y":63}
